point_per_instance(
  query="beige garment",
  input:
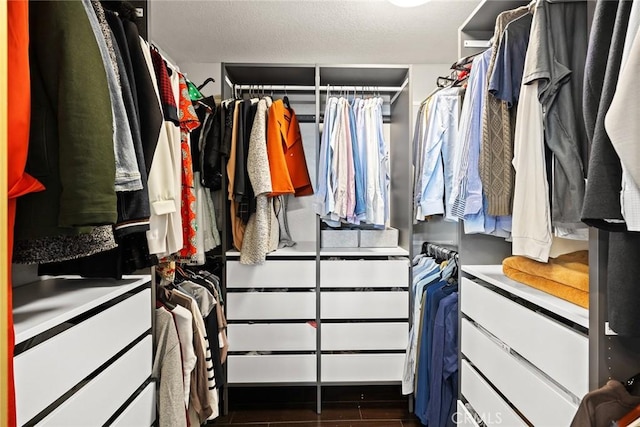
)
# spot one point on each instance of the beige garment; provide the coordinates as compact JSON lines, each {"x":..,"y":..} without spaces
{"x":184,"y":325}
{"x":237,"y":227}
{"x":167,"y":368}
{"x":255,"y":245}
{"x":496,"y":150}
{"x":199,"y":397}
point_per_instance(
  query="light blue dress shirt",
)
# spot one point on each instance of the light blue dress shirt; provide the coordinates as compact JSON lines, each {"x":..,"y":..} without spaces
{"x":437,"y":169}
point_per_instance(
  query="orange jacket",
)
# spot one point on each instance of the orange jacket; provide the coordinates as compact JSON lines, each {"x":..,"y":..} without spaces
{"x":288,"y":166}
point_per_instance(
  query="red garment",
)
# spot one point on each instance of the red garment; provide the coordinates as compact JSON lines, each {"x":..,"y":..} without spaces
{"x":168,"y":101}
{"x":20,"y":183}
{"x":188,"y":122}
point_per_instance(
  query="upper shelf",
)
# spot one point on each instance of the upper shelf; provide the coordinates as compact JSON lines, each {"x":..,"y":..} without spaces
{"x":44,"y":304}
{"x":271,"y":74}
{"x":305,"y":75}
{"x":493,"y":275}
{"x":363,"y":75}
{"x":483,"y":18}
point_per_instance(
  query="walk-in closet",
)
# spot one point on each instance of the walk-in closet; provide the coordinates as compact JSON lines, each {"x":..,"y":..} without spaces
{"x":394,"y":213}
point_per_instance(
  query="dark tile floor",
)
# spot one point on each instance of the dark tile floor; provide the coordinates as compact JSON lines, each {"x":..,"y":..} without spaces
{"x":362,"y":406}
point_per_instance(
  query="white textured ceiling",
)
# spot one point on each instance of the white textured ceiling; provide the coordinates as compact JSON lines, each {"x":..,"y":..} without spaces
{"x":308,"y":31}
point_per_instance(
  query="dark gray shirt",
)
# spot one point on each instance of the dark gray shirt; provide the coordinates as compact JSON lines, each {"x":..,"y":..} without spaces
{"x":559,"y":47}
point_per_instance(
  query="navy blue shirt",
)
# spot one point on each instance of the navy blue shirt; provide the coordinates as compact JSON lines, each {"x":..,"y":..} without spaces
{"x":444,"y":363}
{"x":434,"y":295}
{"x":506,"y":79}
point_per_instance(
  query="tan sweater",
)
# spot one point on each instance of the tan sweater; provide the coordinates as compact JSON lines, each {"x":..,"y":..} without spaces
{"x":496,"y":152}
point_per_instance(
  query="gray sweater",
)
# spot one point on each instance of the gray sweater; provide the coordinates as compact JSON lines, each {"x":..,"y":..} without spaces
{"x":167,"y":368}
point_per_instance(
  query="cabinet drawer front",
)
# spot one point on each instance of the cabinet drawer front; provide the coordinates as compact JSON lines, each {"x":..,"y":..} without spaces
{"x":362,"y":367}
{"x":485,"y":401}
{"x":537,"y":399}
{"x":272,"y":274}
{"x":464,"y":417}
{"x":141,"y":412}
{"x":364,"y":274}
{"x":272,"y":337}
{"x":364,"y":336}
{"x":64,"y":360}
{"x":365,"y":305}
{"x":554,"y":348}
{"x":96,"y":402}
{"x":272,"y":369}
{"x":271,"y":305}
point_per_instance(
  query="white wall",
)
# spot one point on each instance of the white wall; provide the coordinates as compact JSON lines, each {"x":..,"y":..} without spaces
{"x":198,"y":72}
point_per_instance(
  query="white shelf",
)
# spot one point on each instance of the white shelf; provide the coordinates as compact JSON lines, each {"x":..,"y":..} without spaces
{"x":493,"y":274}
{"x":309,"y":249}
{"x":483,"y":18}
{"x":364,"y":251}
{"x":300,"y":249}
{"x":44,"y":304}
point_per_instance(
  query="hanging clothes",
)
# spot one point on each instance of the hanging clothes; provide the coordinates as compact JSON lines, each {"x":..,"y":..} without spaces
{"x":621,"y":130}
{"x":287,"y":163}
{"x":496,"y":170}
{"x":188,"y":122}
{"x":88,"y":198}
{"x":19,"y":182}
{"x":353,"y":181}
{"x":263,"y":221}
{"x":440,"y":142}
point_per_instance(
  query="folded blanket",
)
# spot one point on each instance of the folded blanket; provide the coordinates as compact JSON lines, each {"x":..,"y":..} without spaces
{"x":566,"y":276}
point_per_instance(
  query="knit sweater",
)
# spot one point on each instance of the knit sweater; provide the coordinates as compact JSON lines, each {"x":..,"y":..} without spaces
{"x":496,"y":151}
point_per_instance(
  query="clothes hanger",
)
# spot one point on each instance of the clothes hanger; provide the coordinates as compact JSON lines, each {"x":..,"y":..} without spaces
{"x":633,"y":385}
{"x":206,"y":82}
{"x":285,"y":100}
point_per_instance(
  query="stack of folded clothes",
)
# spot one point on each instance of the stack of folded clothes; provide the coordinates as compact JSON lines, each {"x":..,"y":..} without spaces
{"x":566,"y":277}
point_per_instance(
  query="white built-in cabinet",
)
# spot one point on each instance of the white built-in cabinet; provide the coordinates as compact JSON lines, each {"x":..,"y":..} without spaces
{"x":83,"y":354}
{"x":314,"y":315}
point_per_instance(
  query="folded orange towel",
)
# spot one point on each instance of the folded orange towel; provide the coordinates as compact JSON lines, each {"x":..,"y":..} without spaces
{"x":566,"y":276}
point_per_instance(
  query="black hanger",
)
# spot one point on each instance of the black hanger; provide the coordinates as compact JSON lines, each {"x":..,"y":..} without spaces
{"x":461,"y":64}
{"x":633,"y":385}
{"x":285,"y":100}
{"x":207,"y":81}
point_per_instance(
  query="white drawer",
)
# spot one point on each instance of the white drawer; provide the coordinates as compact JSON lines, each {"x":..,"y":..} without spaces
{"x":362,"y":367}
{"x":555,"y":349}
{"x":364,"y":336}
{"x":272,"y":274}
{"x":272,"y":368}
{"x":96,"y":402}
{"x":464,"y":417}
{"x":48,"y":370}
{"x":141,"y":412}
{"x":365,"y":305}
{"x":364,"y":274}
{"x":537,"y":399}
{"x":485,"y":401}
{"x":271,"y":305}
{"x":272,"y":337}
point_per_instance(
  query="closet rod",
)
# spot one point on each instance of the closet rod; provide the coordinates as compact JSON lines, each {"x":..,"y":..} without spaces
{"x":312,"y":88}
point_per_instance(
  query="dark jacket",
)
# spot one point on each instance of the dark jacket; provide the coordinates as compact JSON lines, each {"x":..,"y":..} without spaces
{"x":71,"y":141}
{"x":148,"y":107}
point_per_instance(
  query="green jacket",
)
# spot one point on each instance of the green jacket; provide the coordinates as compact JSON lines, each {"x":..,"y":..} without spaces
{"x":71,"y":141}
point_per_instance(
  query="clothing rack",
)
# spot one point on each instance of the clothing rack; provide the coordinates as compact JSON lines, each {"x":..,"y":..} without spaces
{"x":433,"y":249}
{"x":396,"y":90}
